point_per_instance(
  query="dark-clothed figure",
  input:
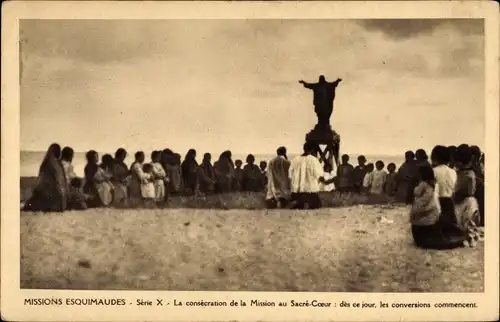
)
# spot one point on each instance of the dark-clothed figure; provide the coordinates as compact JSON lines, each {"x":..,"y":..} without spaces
{"x":190,"y":172}
{"x":345,"y":175}
{"x":238,"y":176}
{"x":207,"y":174}
{"x":358,"y":174}
{"x":452,"y":151}
{"x":391,"y":184}
{"x":324,"y":95}
{"x":466,"y":205}
{"x":406,"y":179}
{"x":50,"y":193}
{"x":479,"y":172}
{"x":76,"y":197}
{"x":421,"y":158}
{"x":251,"y":175}
{"x":224,"y":172}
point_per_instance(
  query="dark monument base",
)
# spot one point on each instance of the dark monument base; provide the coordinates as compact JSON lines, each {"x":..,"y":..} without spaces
{"x":324,"y":135}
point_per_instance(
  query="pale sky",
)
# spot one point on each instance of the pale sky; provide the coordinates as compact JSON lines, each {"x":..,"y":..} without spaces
{"x":214,"y":85}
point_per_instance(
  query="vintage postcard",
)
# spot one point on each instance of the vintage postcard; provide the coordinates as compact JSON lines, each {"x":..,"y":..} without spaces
{"x":250,"y":161}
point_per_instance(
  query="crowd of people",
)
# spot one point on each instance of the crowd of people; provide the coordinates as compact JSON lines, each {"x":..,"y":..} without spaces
{"x":446,"y":193}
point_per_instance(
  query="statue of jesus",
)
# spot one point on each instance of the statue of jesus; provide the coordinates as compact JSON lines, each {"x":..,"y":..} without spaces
{"x":324,"y":95}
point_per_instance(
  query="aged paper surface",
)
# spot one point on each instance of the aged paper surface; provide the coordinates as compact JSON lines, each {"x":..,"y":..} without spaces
{"x":213,"y":76}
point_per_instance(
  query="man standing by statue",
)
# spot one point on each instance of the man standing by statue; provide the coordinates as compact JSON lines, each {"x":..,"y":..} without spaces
{"x":324,"y":95}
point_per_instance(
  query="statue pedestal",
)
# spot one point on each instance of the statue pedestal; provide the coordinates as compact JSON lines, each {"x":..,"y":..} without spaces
{"x":325,"y":136}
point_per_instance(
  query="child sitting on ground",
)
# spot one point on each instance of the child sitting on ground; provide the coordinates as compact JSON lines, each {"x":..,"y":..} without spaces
{"x":77,"y":200}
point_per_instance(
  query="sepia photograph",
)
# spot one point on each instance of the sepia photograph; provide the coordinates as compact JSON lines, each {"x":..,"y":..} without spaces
{"x":246,"y":155}
{"x":250,"y":161}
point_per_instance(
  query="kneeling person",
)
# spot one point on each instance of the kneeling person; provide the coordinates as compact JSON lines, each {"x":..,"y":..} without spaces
{"x":306,"y":174}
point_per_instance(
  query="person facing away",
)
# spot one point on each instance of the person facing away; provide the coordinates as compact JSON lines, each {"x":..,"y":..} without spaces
{"x":345,"y":175}
{"x":406,"y":176}
{"x":50,"y":192}
{"x":160,"y":177}
{"x":324,"y":95}
{"x":190,"y":172}
{"x":97,"y":181}
{"x":466,"y":205}
{"x":379,"y":177}
{"x":328,"y":185}
{"x":120,"y":179}
{"x":390,"y":184}
{"x":238,"y":176}
{"x":278,"y":182}
{"x":306,"y":174}
{"x":446,"y":179}
{"x":207,"y":174}
{"x":66,"y":161}
{"x":251,"y":175}
{"x":479,"y":173}
{"x":263,"y":174}
{"x":224,"y":172}
{"x":427,"y":229}
{"x":368,"y":179}
{"x":359,"y":173}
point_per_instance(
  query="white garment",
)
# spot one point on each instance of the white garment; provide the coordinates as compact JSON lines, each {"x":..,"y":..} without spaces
{"x":159,"y":181}
{"x":466,"y":211}
{"x":446,"y":179}
{"x":328,"y":187}
{"x":148,"y":190}
{"x":305,"y":172}
{"x":378,"y":181}
{"x":367,"y":180}
{"x":278,"y":182}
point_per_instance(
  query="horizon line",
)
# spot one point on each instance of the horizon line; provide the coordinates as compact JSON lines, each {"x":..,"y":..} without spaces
{"x":243,"y":153}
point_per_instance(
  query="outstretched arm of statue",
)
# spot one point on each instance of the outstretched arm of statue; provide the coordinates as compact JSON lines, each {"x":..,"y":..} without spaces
{"x":337,"y":81}
{"x":306,"y":85}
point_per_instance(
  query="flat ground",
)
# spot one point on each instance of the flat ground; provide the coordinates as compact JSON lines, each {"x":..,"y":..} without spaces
{"x":364,"y":248}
